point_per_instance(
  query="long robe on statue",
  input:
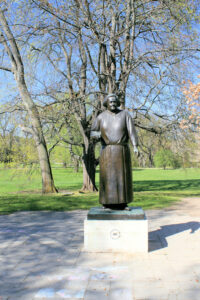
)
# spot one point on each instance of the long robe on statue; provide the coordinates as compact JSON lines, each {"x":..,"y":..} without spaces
{"x":115,"y":159}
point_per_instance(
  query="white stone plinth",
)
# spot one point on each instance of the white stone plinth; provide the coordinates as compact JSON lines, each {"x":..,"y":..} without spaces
{"x":129,"y":236}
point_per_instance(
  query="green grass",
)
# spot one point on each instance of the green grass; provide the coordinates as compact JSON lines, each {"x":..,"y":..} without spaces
{"x":153,"y":188}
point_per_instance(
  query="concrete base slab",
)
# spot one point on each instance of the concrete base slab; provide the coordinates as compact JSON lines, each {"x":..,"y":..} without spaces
{"x":128,"y":236}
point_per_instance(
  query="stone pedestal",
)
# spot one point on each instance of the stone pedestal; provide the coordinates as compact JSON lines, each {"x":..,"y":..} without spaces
{"x":116,"y":231}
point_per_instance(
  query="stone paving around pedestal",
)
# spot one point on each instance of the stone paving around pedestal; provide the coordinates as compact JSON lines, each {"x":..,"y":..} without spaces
{"x":42,"y":257}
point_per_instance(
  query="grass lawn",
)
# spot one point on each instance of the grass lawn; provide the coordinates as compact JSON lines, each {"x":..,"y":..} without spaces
{"x":153,"y":188}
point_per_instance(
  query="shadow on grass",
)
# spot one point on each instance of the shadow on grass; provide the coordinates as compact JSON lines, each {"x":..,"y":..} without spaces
{"x":134,"y":170}
{"x":38,"y":202}
{"x":154,"y":185}
{"x":156,"y":194}
{"x":166,"y":185}
{"x":74,"y":187}
{"x":154,"y":200}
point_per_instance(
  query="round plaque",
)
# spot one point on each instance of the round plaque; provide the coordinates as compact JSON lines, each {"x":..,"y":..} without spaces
{"x":115,"y":234}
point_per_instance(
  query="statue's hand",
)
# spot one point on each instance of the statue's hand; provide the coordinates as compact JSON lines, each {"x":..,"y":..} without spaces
{"x":95,"y":134}
{"x":136,"y":151}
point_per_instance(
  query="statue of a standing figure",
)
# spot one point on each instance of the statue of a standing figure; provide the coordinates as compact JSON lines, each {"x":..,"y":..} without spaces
{"x":116,"y":127}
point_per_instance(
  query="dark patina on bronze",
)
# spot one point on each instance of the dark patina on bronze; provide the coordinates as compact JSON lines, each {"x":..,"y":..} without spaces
{"x":98,"y":213}
{"x":117,"y":128}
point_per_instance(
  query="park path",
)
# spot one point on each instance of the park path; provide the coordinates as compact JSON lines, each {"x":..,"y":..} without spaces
{"x":42,"y":257}
{"x":189,"y":206}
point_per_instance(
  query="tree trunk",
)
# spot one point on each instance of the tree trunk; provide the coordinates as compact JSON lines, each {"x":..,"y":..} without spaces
{"x":43,"y":156}
{"x":13,"y":52}
{"x":76,"y":165}
{"x":46,"y":172}
{"x":89,"y":167}
{"x":151,"y":163}
{"x":64,"y":164}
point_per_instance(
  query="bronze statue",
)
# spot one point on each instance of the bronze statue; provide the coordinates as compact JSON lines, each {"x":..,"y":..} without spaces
{"x":116,"y":127}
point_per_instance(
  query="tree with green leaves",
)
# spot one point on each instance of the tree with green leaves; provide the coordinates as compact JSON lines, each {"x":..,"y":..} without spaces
{"x":132,"y":48}
{"x":166,"y":158}
{"x":11,"y":48}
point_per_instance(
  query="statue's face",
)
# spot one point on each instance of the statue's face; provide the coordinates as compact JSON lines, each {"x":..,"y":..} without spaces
{"x":112,"y":103}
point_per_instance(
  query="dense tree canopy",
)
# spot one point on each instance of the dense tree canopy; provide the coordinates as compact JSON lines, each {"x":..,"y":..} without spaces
{"x":75,"y":52}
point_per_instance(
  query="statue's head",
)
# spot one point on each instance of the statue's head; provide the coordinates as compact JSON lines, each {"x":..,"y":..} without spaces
{"x":111,"y":102}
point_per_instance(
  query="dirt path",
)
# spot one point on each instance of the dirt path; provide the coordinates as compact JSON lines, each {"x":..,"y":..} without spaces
{"x":189,"y":205}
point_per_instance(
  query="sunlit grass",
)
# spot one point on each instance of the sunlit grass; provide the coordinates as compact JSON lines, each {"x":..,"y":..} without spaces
{"x":20,"y":190}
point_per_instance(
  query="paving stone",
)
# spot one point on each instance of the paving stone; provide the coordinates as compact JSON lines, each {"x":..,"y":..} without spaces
{"x":172,"y":296}
{"x":119,"y":291}
{"x":123,"y":293}
{"x":103,"y":276}
{"x":9,"y":289}
{"x":45,"y":293}
{"x":87,"y":259}
{"x":162,"y":269}
{"x":4,"y":244}
{"x":69,"y":283}
{"x":68,"y":294}
{"x":22,"y":295}
{"x":151,"y":290}
{"x":142,"y":270}
{"x":41,"y":281}
{"x":14,"y":276}
{"x":171,"y":286}
{"x":154,"y":245}
{"x":43,"y":250}
{"x":190,"y":294}
{"x":73,"y":291}
{"x":97,"y":290}
{"x":3,"y":297}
